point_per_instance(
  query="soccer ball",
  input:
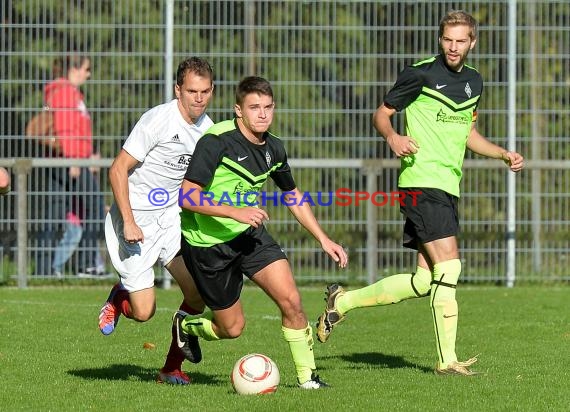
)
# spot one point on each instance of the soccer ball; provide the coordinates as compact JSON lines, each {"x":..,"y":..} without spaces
{"x":255,"y":374}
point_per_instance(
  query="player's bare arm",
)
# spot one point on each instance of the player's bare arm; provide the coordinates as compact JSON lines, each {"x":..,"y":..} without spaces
{"x":4,"y":181}
{"x":118,"y":177}
{"x":250,"y":215}
{"x":304,"y":215}
{"x":400,"y":145}
{"x":477,"y":143}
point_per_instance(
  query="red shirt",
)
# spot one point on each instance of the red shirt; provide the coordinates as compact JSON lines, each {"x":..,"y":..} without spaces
{"x":72,"y":122}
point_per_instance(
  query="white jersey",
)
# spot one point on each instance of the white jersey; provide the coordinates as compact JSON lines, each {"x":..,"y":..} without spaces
{"x":163,"y":143}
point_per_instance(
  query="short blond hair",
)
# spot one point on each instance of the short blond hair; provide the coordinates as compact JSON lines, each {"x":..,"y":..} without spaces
{"x":459,"y":18}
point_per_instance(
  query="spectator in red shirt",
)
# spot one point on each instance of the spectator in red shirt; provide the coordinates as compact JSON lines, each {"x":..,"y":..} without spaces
{"x":82,"y":208}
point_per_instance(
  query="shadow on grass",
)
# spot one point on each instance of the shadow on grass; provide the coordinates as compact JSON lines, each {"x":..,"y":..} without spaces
{"x":132,"y":372}
{"x":380,"y":360}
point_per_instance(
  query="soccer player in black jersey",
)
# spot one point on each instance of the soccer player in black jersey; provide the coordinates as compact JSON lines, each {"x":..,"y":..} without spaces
{"x":224,"y":236}
{"x":440,"y":96}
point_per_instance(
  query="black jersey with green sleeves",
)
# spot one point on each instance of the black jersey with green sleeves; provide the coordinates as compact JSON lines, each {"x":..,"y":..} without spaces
{"x":441,"y":106}
{"x":228,"y":166}
{"x":431,"y":77}
{"x":225,"y":160}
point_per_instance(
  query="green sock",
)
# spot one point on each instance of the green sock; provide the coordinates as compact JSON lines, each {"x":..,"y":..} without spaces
{"x":444,"y":309}
{"x":200,"y":325}
{"x":391,"y":289}
{"x":301,"y":346}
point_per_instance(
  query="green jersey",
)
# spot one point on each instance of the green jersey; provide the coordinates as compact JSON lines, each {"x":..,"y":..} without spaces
{"x":231,"y":171}
{"x":441,"y":106}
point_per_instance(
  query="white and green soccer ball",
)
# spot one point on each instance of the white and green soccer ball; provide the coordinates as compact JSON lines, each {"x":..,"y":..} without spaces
{"x":255,"y":374}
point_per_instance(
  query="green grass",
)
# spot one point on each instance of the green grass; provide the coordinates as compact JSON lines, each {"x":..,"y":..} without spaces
{"x":53,"y":357}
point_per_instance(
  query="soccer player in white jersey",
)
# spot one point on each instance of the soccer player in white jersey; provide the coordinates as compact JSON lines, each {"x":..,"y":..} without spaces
{"x":143,"y":225}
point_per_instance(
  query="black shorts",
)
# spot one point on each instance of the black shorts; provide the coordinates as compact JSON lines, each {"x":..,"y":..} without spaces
{"x":433,"y":216}
{"x":218,"y":270}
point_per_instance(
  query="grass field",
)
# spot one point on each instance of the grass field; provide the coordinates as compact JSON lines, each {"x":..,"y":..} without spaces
{"x":53,"y":357}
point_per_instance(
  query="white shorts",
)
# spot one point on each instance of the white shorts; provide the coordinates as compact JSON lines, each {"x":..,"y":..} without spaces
{"x":135,"y":262}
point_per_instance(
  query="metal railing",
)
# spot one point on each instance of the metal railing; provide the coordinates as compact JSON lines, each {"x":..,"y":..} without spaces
{"x":370,"y":169}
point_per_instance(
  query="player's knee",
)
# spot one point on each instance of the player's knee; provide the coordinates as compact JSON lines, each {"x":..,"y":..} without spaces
{"x":143,"y":315}
{"x":233,"y":330}
{"x":421,"y":282}
{"x":291,"y":306}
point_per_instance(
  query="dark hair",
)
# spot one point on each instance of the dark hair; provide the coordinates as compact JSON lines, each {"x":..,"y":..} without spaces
{"x":62,"y":64}
{"x":253,"y":84}
{"x":459,"y":18}
{"x":194,"y":65}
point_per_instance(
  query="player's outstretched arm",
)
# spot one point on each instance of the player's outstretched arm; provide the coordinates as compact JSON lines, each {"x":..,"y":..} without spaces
{"x":477,"y":143}
{"x":304,"y":215}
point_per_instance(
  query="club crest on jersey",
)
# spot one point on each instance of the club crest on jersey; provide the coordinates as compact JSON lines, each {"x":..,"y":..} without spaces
{"x":268,"y":158}
{"x":468,"y":90}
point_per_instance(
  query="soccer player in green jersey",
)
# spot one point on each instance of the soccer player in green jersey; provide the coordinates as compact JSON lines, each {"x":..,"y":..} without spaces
{"x":224,"y":237}
{"x":440,"y":96}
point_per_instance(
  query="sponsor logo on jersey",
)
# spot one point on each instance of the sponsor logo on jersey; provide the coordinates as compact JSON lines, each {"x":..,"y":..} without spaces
{"x":184,"y":159}
{"x":180,"y":163}
{"x":442,"y":116}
